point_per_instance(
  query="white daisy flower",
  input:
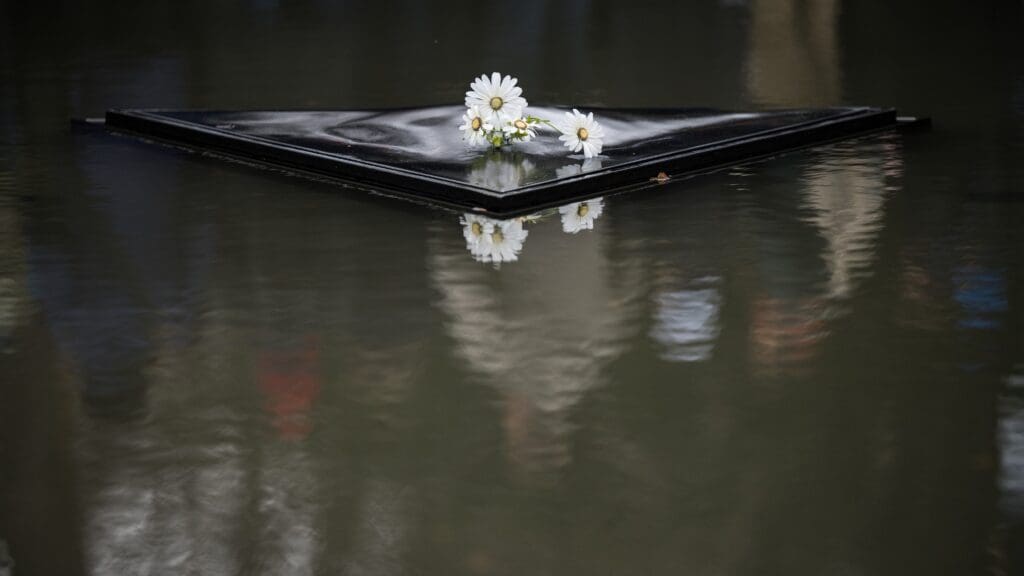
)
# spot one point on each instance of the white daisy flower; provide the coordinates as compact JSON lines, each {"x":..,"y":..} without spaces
{"x":474,"y":127}
{"x":581,"y":215}
{"x":498,"y":98}
{"x":506,"y":242}
{"x":581,"y":132}
{"x":520,"y":129}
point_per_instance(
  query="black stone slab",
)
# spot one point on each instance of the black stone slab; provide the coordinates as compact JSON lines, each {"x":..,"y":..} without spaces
{"x":419,"y":152}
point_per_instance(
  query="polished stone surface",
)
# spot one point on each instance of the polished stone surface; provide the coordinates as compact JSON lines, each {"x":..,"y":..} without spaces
{"x":420,"y":151}
{"x":427,"y":141}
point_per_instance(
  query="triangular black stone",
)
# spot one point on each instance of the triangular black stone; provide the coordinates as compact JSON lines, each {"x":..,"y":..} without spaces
{"x":419,"y":152}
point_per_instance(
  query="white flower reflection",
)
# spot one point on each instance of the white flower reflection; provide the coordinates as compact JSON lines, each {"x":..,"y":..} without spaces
{"x":477,"y":231}
{"x":588,"y":165}
{"x":490,"y":240}
{"x":541,"y":357}
{"x":581,"y":215}
{"x":497,"y":241}
{"x":500,"y":171}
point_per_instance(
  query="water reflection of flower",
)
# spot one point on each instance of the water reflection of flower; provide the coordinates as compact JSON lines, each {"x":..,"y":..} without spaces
{"x":581,"y":215}
{"x":500,"y":171}
{"x":496,"y":241}
{"x":588,"y":165}
{"x":541,"y":357}
{"x":490,"y":240}
{"x":477,"y":232}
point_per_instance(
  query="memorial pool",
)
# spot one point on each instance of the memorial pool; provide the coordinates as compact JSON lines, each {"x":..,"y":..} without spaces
{"x":804,"y":366}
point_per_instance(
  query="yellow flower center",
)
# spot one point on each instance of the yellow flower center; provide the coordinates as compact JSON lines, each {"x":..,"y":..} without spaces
{"x":476,"y":124}
{"x":496,"y":103}
{"x":582,"y":210}
{"x":497,"y":237}
{"x":583,"y":134}
{"x":477,"y":229}
{"x":520,"y":124}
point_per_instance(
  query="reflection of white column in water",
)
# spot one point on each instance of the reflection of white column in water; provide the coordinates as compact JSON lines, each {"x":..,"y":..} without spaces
{"x":181,"y":492}
{"x":379,"y":541}
{"x":846,"y":196}
{"x":287,"y":511}
{"x":159,"y":510}
{"x":1011,"y":445}
{"x":687,"y":321}
{"x":382,"y":380}
{"x":166,"y":514}
{"x":540,"y":331}
{"x":167,"y":503}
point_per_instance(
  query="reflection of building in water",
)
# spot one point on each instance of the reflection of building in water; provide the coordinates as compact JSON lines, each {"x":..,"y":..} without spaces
{"x":540,"y":332}
{"x":686,"y":269}
{"x":845,"y":196}
{"x":793,"y":56}
{"x":687,"y":321}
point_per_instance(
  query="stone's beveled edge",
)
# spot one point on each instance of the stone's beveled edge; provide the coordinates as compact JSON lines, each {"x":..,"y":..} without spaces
{"x":153,"y":124}
{"x":459,"y":195}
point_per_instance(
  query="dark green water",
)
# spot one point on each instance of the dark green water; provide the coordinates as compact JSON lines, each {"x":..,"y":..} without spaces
{"x":809,"y":365}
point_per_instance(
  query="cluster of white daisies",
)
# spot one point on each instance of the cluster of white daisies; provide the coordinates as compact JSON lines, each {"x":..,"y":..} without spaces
{"x":496,"y":116}
{"x":497,"y":241}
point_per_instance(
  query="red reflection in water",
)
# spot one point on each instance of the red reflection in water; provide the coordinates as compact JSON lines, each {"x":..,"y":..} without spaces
{"x":536,"y":441}
{"x":290,"y":380}
{"x":786,"y":334}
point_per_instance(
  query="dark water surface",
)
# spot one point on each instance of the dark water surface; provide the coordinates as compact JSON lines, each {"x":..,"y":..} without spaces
{"x":810,"y":365}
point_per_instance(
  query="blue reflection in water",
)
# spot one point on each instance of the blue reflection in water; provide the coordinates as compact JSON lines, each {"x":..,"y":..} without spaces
{"x":103,"y":328}
{"x":981,"y":294}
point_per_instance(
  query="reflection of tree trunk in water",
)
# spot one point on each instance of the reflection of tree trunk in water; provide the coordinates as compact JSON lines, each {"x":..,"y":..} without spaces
{"x":794,"y":53}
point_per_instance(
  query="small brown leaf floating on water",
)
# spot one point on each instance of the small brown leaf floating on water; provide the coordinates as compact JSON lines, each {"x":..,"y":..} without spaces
{"x":661,"y":178}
